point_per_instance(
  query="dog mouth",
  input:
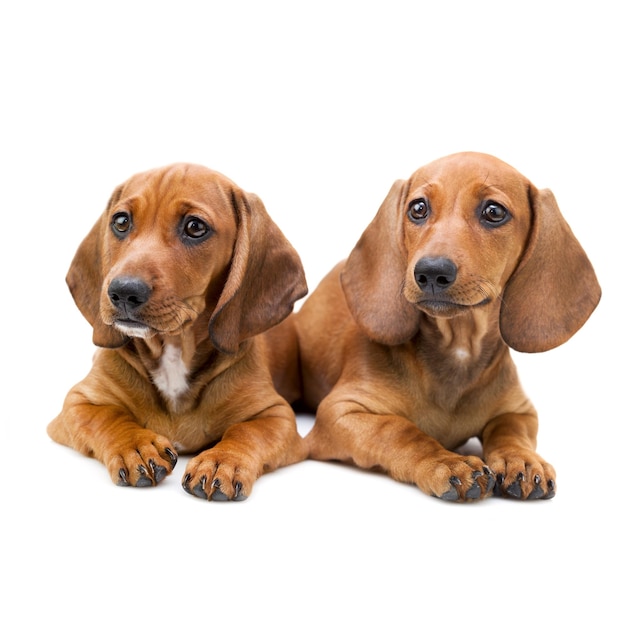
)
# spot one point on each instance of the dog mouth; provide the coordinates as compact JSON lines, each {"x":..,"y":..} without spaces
{"x":448,"y":308}
{"x":133,"y":328}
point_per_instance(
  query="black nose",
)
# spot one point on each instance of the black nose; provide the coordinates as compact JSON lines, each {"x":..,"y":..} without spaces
{"x":128,"y":293}
{"x":435,"y":274}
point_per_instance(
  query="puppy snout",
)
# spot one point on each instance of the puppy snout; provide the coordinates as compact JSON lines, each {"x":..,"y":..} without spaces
{"x":128,"y":293}
{"x":434,"y":274}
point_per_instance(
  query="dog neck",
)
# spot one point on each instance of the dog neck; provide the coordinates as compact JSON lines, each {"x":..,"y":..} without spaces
{"x":168,"y":361}
{"x":461,"y":342}
{"x":171,"y":362}
{"x":454,"y":353}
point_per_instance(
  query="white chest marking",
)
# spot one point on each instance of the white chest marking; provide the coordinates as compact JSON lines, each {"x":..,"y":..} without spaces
{"x":462,"y":354}
{"x":171,"y":375}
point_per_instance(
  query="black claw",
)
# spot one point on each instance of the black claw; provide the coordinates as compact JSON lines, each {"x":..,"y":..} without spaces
{"x":186,"y":486}
{"x":514,"y":490}
{"x":538,"y":492}
{"x":491,"y":481}
{"x":239,"y":497}
{"x":158,"y":471}
{"x":473,"y":492}
{"x":145,"y":480}
{"x":497,"y":488}
{"x":551,"y":490}
{"x":199,"y":491}
{"x":173,"y":457}
{"x":218,"y":495}
{"x":123,"y":481}
{"x":452,"y":494}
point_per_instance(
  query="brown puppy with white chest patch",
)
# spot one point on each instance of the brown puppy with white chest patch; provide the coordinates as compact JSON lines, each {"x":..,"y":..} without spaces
{"x":405,"y":346}
{"x":180,"y":277}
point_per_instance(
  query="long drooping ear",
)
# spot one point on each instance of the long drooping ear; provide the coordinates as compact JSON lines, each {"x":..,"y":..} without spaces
{"x":85,"y":278}
{"x":374,"y":273}
{"x":554,"y":288}
{"x":265,"y":278}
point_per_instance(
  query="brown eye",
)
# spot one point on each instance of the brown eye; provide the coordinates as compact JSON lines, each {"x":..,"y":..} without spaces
{"x":494,"y":214}
{"x":121,"y":223}
{"x":418,"y":210}
{"x":195,"y":228}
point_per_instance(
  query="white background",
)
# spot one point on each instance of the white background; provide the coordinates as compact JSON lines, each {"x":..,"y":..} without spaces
{"x":317,"y":107}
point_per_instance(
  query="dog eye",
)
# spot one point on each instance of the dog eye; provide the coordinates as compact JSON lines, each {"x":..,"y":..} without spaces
{"x":418,"y":210}
{"x":195,"y":228}
{"x":494,"y":214}
{"x":121,"y":223}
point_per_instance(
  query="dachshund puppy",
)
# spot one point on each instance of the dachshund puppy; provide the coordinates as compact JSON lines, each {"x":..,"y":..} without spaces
{"x":404,"y":347}
{"x":180,"y":277}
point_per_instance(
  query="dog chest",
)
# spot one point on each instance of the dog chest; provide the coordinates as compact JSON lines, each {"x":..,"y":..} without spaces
{"x":170,"y":376}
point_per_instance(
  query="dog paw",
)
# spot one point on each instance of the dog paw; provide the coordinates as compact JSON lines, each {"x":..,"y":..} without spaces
{"x":213,"y":476}
{"x":214,"y":491}
{"x":475,"y":491}
{"x":523,"y":476}
{"x":515,"y":488}
{"x":459,"y":479}
{"x":142,"y":465}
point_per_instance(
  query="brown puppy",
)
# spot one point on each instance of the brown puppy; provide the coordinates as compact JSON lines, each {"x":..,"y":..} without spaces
{"x":405,"y":347}
{"x":179,"y":278}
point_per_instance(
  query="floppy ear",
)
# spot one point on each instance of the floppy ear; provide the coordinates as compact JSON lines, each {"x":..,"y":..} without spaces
{"x":85,"y":278}
{"x":265,"y":278}
{"x":554,"y":288}
{"x":373,"y":276}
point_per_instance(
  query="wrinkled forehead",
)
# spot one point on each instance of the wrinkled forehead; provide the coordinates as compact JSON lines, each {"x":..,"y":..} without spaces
{"x":474,"y":173}
{"x":183,"y":182}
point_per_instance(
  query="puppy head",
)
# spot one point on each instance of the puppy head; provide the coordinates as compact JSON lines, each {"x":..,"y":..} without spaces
{"x":457,"y":236}
{"x":179,"y":242}
{"x":466,"y":222}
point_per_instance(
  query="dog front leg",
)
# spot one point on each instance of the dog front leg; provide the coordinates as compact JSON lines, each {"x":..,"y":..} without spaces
{"x":133,"y":455}
{"x":228,"y":470}
{"x":509,"y":443}
{"x":345,"y":431}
